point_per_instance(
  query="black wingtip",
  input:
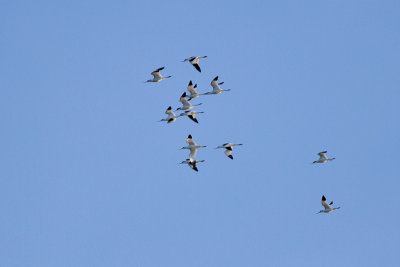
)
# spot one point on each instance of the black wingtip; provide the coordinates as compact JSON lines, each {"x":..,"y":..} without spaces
{"x":195,"y":168}
{"x":230,"y":156}
{"x":197,"y":67}
{"x":216,"y":79}
{"x":184,"y":94}
{"x":323,"y":198}
{"x":190,"y":83}
{"x":195,"y":86}
{"x":169,"y":108}
{"x":189,"y":136}
{"x":331,"y":203}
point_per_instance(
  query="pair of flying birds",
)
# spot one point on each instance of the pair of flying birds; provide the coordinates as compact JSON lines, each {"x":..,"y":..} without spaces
{"x":157,"y":77}
{"x":191,"y":161}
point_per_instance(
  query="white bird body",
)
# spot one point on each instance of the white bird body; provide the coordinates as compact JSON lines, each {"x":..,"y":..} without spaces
{"x":157,"y":77}
{"x":323,"y":158}
{"x":328,"y":207}
{"x":228,"y":149}
{"x":192,"y":147}
{"x":185,"y":103}
{"x":192,"y":164}
{"x":216,"y":87}
{"x":171,"y":115}
{"x":195,"y":62}
{"x":191,"y":115}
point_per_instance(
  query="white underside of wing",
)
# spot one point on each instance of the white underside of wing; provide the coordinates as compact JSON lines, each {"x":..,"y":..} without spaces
{"x":326,"y":205}
{"x":228,"y":152}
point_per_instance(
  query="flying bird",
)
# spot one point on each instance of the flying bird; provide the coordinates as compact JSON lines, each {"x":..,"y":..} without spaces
{"x":186,"y":104}
{"x":322,"y":157}
{"x":157,"y":76}
{"x":192,"y":164}
{"x":195,"y":62}
{"x":228,"y":149}
{"x":191,"y":114}
{"x":192,"y":147}
{"x":192,"y":90}
{"x":171,"y":115}
{"x":216,"y":87}
{"x":328,"y":207}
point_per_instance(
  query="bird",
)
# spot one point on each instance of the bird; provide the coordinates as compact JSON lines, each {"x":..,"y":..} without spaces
{"x":216,"y":89}
{"x":322,"y":157}
{"x":171,"y":115}
{"x":195,"y":62}
{"x":186,"y":104}
{"x":192,"y":164}
{"x":228,"y":149}
{"x":157,"y":76}
{"x":327,"y":206}
{"x":191,"y":114}
{"x":192,"y":90}
{"x":192,"y":147}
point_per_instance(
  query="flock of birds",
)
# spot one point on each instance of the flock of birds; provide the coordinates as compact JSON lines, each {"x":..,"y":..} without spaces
{"x":187,"y":108}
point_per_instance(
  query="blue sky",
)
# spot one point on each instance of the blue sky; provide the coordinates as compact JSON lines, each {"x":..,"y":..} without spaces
{"x":90,"y":178}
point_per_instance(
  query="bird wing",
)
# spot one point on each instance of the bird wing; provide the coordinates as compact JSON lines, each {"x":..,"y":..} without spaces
{"x":169,"y":110}
{"x":215,"y":85}
{"x":322,"y":155}
{"x":228,"y":152}
{"x":156,"y":73}
{"x":326,"y":205}
{"x":196,"y":66}
{"x":184,"y":102}
{"x":193,"y":118}
{"x":214,"y":82}
{"x":190,"y":58}
{"x":192,"y":90}
{"x":236,"y":145}
{"x":190,"y":142}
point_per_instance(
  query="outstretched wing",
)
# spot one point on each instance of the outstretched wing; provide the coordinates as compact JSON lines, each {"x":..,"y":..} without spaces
{"x":326,"y":205}
{"x":322,"y":155}
{"x":196,"y":66}
{"x":193,"y":118}
{"x":156,"y":73}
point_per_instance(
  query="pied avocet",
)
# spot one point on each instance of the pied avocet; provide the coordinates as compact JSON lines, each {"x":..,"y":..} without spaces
{"x":157,"y":76}
{"x":195,"y":62}
{"x":228,"y":149}
{"x":328,"y":207}
{"x":216,"y":89}
{"x":323,"y":158}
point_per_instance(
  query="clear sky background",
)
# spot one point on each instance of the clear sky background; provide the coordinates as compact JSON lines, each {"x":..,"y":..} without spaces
{"x":90,"y":178}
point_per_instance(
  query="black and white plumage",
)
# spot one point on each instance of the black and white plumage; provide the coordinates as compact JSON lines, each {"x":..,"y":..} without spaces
{"x":216,"y":87}
{"x":157,"y":77}
{"x":171,"y":115}
{"x":185,"y":103}
{"x":192,"y":164}
{"x":195,"y":62}
{"x":323,"y":158}
{"x":193,"y":91}
{"x":328,"y":207}
{"x":228,"y":149}
{"x":191,"y":115}
{"x":192,"y":147}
